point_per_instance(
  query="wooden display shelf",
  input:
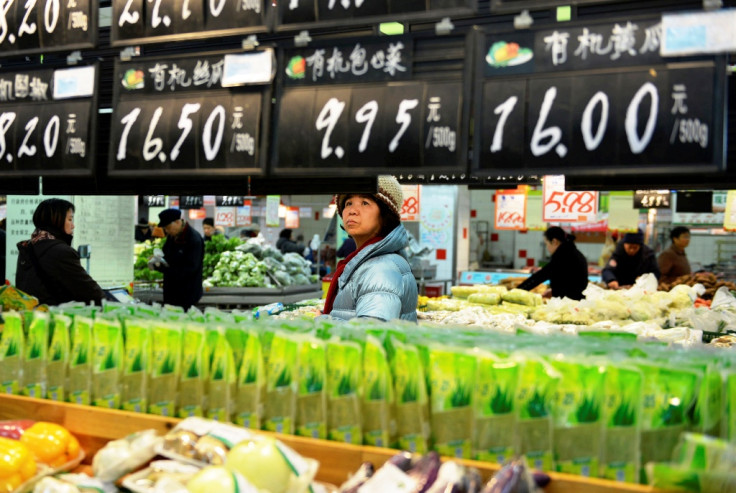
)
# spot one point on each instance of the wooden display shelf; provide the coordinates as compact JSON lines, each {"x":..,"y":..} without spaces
{"x":95,"y":426}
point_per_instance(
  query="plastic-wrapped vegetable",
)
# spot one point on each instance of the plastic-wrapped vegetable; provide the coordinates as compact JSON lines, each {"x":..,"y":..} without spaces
{"x":522,"y":297}
{"x":269,"y":251}
{"x":514,"y":477}
{"x":253,"y":248}
{"x":425,"y":471}
{"x":353,"y":484}
{"x":14,"y":428}
{"x":485,"y":298}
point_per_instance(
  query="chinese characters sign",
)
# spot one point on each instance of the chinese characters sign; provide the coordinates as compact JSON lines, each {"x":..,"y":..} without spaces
{"x":559,"y":205}
{"x":173,"y":115}
{"x":41,"y":130}
{"x":510,"y":210}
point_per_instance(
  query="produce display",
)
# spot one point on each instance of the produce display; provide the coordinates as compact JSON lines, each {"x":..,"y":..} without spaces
{"x":708,"y":280}
{"x":143,"y":252}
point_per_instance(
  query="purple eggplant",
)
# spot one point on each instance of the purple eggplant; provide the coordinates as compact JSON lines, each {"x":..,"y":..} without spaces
{"x":541,"y":479}
{"x":424,"y":472}
{"x":475,"y":482}
{"x":402,"y":460}
{"x":362,"y":475}
{"x":514,"y":477}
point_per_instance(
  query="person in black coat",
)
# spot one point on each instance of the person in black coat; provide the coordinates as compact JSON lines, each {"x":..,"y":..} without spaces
{"x":567,"y":270}
{"x":630,"y":260}
{"x":143,"y":230}
{"x":48,"y":267}
{"x":286,"y":245}
{"x":183,"y":256}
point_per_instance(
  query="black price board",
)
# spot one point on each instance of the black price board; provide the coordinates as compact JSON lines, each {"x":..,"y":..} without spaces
{"x":500,"y":6}
{"x":306,"y":14}
{"x":152,"y":21}
{"x":370,"y":114}
{"x":228,"y":200}
{"x":191,"y":202}
{"x":43,"y":26}
{"x":174,"y":117}
{"x":652,"y":199}
{"x":152,"y":200}
{"x":635,"y":119}
{"x":48,"y":121}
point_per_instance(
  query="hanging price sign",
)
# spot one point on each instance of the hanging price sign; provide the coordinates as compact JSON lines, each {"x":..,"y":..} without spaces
{"x":225,"y":216}
{"x":243,"y":217}
{"x":410,"y":207}
{"x":510,"y":210}
{"x":559,"y":205}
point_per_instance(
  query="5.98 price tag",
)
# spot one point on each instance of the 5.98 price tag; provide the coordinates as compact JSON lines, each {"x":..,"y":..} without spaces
{"x":559,"y":205}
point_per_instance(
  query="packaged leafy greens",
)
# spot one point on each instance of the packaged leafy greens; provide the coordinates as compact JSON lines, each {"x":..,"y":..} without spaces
{"x":729,"y":420}
{"x":249,"y":398}
{"x":620,"y":459}
{"x":11,"y":353}
{"x":221,"y":385}
{"x":311,"y":416}
{"x":412,"y":406}
{"x":80,"y":362}
{"x":107,"y":355}
{"x":344,"y":373}
{"x":166,"y":344}
{"x":136,"y":365}
{"x":533,"y":403}
{"x":194,"y":370}
{"x":58,"y":362}
{"x":452,"y":373}
{"x":496,"y":382}
{"x":36,"y":354}
{"x":281,"y":383}
{"x":378,"y":395}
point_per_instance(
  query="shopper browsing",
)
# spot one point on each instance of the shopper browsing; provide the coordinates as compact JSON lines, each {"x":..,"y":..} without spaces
{"x":286,"y":245}
{"x":374,"y":281}
{"x":48,"y":267}
{"x":630,"y":260}
{"x":673,"y":261}
{"x":183,"y":256}
{"x":567,"y":270}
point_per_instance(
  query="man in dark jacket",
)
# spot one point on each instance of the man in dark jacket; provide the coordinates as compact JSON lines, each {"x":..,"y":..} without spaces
{"x":630,"y":260}
{"x":183,"y":256}
{"x":286,"y":245}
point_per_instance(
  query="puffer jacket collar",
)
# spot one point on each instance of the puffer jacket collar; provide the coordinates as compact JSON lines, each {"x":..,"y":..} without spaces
{"x":394,"y":242}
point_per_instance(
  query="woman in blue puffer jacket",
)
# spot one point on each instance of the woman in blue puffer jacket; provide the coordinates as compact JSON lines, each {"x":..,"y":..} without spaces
{"x":375,"y":280}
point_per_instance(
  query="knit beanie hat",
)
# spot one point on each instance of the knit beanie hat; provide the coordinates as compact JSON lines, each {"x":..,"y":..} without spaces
{"x":634,"y":238}
{"x":389,"y":192}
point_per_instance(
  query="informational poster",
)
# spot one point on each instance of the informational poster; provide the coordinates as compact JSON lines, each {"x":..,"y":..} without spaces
{"x":292,"y":217}
{"x":560,"y":205}
{"x":534,"y":221}
{"x":225,"y":216}
{"x":622,"y":216}
{"x":436,"y":227}
{"x":273,"y":203}
{"x":510,"y":210}
{"x":729,"y":217}
{"x":410,"y":207}
{"x":243,"y":217}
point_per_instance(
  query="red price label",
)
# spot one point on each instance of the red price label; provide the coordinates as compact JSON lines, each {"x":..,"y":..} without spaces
{"x":410,"y":206}
{"x":511,"y":218}
{"x":571,"y":202}
{"x":225,"y":218}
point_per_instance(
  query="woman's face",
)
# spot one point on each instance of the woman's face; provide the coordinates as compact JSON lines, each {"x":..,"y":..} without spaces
{"x":361,"y":217}
{"x":69,"y":222}
{"x":552,"y":245}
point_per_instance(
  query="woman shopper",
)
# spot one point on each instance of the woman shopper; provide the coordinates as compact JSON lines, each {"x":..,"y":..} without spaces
{"x":374,"y":281}
{"x":567,"y":270}
{"x":673,"y":262}
{"x":48,"y":266}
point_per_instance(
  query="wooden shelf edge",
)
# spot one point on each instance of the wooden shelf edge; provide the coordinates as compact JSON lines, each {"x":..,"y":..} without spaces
{"x":95,"y":426}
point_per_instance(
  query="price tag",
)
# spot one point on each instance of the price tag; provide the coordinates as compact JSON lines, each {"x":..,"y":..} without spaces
{"x":153,"y":200}
{"x":559,"y":205}
{"x":652,"y":199}
{"x":191,"y":202}
{"x":510,"y":210}
{"x":228,"y":200}
{"x":225,"y":216}
{"x":243,"y":217}
{"x":291,"y":220}
{"x":410,"y":207}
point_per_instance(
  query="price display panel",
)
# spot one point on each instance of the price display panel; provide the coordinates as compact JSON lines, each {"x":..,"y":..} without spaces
{"x":153,"y":21}
{"x":542,"y":112}
{"x":47,"y":122}
{"x":43,"y":26}
{"x":175,"y":117}
{"x":359,"y":107}
{"x":306,"y":14}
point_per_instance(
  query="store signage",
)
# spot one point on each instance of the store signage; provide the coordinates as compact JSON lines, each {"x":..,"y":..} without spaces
{"x":35,"y":26}
{"x":519,"y":5}
{"x":191,"y":202}
{"x":47,"y":122}
{"x":291,"y":218}
{"x":559,"y":205}
{"x":387,"y":120}
{"x":410,"y":208}
{"x":152,"y":200}
{"x":243,"y":217}
{"x":652,"y":199}
{"x":173,"y":117}
{"x":639,"y":118}
{"x":729,"y":216}
{"x":510,"y":210}
{"x":228,"y":200}
{"x":150,"y":21}
{"x":225,"y":216}
{"x":344,"y":12}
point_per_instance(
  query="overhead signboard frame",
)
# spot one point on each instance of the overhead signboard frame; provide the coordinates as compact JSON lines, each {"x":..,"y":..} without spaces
{"x":374,"y":105}
{"x":178,"y":117}
{"x":310,"y":14}
{"x":505,"y":6}
{"x":136,"y":22}
{"x":596,"y":99}
{"x":46,"y":26}
{"x":48,"y":122}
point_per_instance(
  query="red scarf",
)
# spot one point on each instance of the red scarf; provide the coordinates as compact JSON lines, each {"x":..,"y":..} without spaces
{"x":332,"y":292}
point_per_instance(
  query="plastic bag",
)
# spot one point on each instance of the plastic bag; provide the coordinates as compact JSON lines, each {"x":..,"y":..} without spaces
{"x":119,"y":457}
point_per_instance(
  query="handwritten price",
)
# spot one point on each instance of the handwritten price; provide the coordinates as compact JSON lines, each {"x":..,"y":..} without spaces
{"x":510,"y":218}
{"x":410,"y":206}
{"x":571,"y":202}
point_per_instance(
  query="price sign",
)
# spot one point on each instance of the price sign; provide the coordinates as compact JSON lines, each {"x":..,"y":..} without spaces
{"x":510,"y":210}
{"x":291,"y":219}
{"x":191,"y":202}
{"x":35,"y":26}
{"x":559,"y":205}
{"x":373,"y":125}
{"x":173,"y":117}
{"x":410,"y":207}
{"x":225,"y":216}
{"x":150,"y":21}
{"x":652,"y":199}
{"x":243,"y":216}
{"x":46,"y":131}
{"x":152,"y":200}
{"x":228,"y":200}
